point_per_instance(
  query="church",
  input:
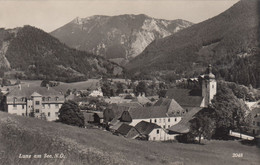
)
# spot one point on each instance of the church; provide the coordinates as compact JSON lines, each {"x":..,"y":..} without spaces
{"x":193,"y":102}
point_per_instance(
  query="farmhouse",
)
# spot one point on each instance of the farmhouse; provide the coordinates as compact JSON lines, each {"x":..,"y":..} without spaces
{"x":153,"y":132}
{"x":165,"y":115}
{"x":41,"y":102}
{"x":255,"y":125}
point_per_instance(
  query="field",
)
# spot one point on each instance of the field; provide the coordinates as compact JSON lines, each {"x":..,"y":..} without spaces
{"x":30,"y":136}
{"x":62,"y":87}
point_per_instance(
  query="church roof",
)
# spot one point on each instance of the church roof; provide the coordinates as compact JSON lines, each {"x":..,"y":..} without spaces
{"x":184,"y":97}
{"x":184,"y":125}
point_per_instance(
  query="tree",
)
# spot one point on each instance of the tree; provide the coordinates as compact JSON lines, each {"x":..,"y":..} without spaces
{"x":141,"y":88}
{"x":201,"y":126}
{"x":229,"y":112}
{"x":70,"y":114}
{"x":108,"y":115}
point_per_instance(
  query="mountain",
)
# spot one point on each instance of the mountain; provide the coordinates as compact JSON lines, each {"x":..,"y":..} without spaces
{"x":229,"y":41}
{"x":31,"y":53}
{"x":113,"y":37}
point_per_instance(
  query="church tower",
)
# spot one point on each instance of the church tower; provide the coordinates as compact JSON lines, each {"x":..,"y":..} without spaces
{"x":209,"y":86}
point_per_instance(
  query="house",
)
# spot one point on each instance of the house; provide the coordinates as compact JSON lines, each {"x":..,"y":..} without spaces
{"x":41,"y":102}
{"x":153,"y":132}
{"x":127,"y":131}
{"x":96,"y":93}
{"x":255,"y":124}
{"x":164,"y":116}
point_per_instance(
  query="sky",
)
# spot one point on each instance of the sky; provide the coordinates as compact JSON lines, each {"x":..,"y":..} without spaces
{"x":49,"y":15}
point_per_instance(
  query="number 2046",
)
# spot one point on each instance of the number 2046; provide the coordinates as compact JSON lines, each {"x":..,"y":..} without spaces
{"x":237,"y":155}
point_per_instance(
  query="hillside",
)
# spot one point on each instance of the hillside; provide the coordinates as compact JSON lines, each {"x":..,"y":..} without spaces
{"x":229,"y":41}
{"x":116,"y":37}
{"x":30,"y":53}
{"x":23,"y":135}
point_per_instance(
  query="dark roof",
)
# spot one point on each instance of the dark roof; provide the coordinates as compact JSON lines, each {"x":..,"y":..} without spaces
{"x":171,"y":104}
{"x":184,"y":97}
{"x":146,"y":128}
{"x":148,"y":112}
{"x":124,"y":129}
{"x":184,"y":125}
{"x":26,"y":91}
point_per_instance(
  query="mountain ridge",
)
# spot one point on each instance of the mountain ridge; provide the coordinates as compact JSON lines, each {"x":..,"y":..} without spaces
{"x":39,"y":55}
{"x":121,"y":36}
{"x":226,"y":40}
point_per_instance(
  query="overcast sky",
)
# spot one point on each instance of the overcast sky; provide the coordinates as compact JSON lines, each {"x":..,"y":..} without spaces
{"x":51,"y":14}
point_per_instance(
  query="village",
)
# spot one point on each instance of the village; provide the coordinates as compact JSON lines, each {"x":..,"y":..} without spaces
{"x":145,"y":110}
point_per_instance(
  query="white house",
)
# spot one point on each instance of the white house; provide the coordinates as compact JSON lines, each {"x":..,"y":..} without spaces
{"x":165,"y":114}
{"x":43,"y":102}
{"x":153,"y":132}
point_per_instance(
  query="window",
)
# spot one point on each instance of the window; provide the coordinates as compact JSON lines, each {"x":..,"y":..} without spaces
{"x":43,"y":106}
{"x":169,"y":120}
{"x":253,"y":122}
{"x":258,"y":123}
{"x":49,"y":98}
{"x":56,"y":105}
{"x":158,"y":131}
{"x":155,"y":120}
{"x":22,"y":106}
{"x":49,"y":106}
{"x":37,"y":102}
{"x":153,"y":138}
{"x":56,"y":98}
{"x":212,"y":86}
{"x":168,"y":126}
{"x":15,"y":99}
{"x":43,"y":98}
{"x":150,"y":120}
{"x":175,"y":119}
{"x":37,"y":110}
{"x":49,"y":114}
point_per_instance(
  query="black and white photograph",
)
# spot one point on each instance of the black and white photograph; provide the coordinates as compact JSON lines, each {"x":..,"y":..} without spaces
{"x":129,"y":82}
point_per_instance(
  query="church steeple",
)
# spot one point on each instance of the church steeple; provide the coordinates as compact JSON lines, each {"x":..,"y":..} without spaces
{"x":209,"y":86}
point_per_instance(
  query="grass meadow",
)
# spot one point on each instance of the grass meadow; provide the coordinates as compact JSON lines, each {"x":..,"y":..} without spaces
{"x":30,"y":136}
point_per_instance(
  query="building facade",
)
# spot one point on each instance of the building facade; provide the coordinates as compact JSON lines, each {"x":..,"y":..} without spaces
{"x":40,"y":102}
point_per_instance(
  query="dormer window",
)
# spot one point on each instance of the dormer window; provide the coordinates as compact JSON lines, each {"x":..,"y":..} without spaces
{"x":15,"y":99}
{"x":56,"y":98}
{"x":43,"y":98}
{"x":49,"y":98}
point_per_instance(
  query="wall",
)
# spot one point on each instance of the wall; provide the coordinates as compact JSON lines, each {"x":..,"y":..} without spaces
{"x":18,"y":110}
{"x":161,"y":136}
{"x":162,"y":122}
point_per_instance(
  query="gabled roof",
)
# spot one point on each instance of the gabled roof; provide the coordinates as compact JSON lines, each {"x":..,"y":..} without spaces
{"x":146,"y":128}
{"x":184,"y":97}
{"x":171,"y":104}
{"x":26,"y":91}
{"x":124,"y":129}
{"x":148,"y":112}
{"x":35,"y":94}
{"x":184,"y":125}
